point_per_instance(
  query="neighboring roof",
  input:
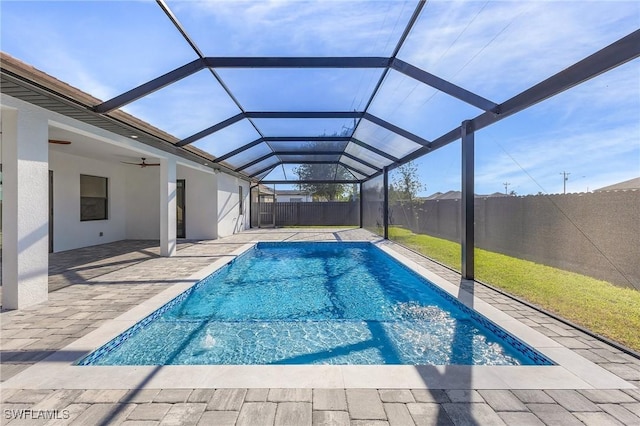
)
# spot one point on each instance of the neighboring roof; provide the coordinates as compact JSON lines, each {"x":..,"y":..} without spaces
{"x":456,"y":195}
{"x":495,"y":194}
{"x":265,"y":190}
{"x":449,"y":195}
{"x":291,"y":192}
{"x":627,"y":184}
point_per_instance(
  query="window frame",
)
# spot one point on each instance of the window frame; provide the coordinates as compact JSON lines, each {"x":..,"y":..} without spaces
{"x":105,"y":216}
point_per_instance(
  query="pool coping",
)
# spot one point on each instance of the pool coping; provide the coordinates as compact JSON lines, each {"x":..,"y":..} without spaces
{"x":58,"y":371}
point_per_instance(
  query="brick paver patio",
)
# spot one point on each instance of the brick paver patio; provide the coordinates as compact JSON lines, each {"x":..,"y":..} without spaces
{"x":92,"y":285}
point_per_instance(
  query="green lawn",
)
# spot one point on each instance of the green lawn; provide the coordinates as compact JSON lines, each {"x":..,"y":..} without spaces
{"x":597,"y":305}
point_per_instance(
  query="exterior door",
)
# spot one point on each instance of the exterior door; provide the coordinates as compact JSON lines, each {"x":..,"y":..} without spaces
{"x":180,"y":205}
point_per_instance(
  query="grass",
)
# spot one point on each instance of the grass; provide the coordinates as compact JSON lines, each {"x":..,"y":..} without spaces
{"x":597,"y":305}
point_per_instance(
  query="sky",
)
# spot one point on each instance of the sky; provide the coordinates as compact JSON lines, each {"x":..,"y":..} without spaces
{"x":496,"y":49}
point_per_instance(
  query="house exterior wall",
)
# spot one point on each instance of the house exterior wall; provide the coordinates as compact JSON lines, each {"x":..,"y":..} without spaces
{"x":142,"y":203}
{"x":168,"y":206}
{"x":68,"y":231}
{"x":230,"y":221}
{"x":134,"y":196}
{"x":25,"y":209}
{"x":201,"y":199}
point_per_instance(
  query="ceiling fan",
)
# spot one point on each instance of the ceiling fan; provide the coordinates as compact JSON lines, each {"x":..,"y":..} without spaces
{"x":59,"y":142}
{"x":143,"y":164}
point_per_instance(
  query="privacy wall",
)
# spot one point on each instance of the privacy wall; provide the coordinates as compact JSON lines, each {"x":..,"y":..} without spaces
{"x":595,"y":234}
{"x":373,"y":205}
{"x":320,"y":213}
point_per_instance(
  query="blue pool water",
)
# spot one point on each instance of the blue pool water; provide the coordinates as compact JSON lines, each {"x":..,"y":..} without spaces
{"x":315,"y":303}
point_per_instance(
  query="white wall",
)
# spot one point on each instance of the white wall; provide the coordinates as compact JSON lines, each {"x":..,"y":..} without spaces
{"x":201,"y":200}
{"x":230,"y":221}
{"x":25,"y":210}
{"x":68,"y":231}
{"x":296,"y":198}
{"x":134,"y":194}
{"x":134,"y":197}
{"x":142,"y":202}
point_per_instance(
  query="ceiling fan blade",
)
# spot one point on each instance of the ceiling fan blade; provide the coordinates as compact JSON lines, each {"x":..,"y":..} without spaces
{"x":59,"y":142}
{"x":143,"y":164}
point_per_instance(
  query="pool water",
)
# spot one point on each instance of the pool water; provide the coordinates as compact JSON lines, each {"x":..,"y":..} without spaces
{"x":315,"y":303}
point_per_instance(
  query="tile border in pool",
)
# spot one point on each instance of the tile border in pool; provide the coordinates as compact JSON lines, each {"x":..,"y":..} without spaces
{"x":59,"y":371}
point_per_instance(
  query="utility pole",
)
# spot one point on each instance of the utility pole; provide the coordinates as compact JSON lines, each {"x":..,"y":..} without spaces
{"x":565,"y":178}
{"x":506,"y":188}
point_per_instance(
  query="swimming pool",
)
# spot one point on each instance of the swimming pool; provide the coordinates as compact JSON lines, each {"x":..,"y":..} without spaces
{"x":315,"y":303}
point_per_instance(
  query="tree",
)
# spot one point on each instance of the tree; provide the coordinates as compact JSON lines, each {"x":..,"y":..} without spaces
{"x":326,"y":172}
{"x":405,"y":183}
{"x":403,"y":190}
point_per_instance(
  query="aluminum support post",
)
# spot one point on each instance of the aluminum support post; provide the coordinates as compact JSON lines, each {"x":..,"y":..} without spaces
{"x":385,"y":202}
{"x":361,"y":206}
{"x":467,"y":207}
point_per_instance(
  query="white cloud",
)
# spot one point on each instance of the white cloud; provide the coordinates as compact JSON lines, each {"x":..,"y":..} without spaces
{"x":294,"y":28}
{"x":518,"y":44}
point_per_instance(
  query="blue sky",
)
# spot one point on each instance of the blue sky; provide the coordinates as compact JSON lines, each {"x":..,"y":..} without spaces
{"x":495,"y":49}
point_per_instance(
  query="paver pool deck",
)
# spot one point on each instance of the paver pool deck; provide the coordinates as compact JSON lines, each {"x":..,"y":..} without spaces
{"x":94,"y":291}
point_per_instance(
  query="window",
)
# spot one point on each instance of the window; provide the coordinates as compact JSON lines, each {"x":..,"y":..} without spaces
{"x":295,"y":200}
{"x":93,"y":198}
{"x":240,"y":202}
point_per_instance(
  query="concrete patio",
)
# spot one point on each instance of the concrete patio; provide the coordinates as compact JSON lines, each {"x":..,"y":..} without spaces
{"x":91,"y":286}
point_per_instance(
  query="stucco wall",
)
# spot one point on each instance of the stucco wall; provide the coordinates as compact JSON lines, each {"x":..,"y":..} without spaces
{"x":134,"y":200}
{"x":143,"y":202}
{"x":230,"y":221}
{"x":200,"y":203}
{"x":68,"y":231}
{"x":25,"y":187}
